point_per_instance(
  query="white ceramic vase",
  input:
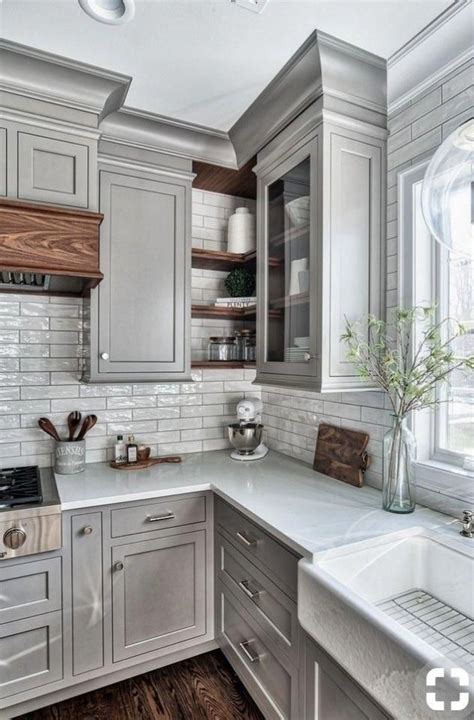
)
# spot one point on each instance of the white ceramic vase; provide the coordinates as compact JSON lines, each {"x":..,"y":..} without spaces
{"x":241,"y":231}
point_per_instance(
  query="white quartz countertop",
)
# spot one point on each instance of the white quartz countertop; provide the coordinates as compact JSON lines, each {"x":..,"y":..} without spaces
{"x":306,"y":510}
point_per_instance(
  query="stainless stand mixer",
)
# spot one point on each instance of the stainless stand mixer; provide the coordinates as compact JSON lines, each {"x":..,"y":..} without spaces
{"x":246,"y":434}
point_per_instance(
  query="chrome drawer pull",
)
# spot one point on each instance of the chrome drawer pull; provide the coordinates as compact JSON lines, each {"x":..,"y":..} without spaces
{"x":245,"y":540}
{"x":244,"y":646}
{"x":244,"y":585}
{"x":157,"y":518}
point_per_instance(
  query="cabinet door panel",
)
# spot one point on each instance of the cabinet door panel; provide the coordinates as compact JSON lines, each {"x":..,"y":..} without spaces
{"x":52,"y":171}
{"x":3,"y":161}
{"x":87,"y":596}
{"x":355,"y":247}
{"x":143,"y":257}
{"x":159,"y":593}
{"x":31,"y":653}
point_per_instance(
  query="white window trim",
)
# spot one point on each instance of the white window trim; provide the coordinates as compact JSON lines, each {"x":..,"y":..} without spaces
{"x":432,"y":471}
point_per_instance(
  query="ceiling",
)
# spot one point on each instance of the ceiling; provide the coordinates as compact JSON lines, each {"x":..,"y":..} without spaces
{"x":205,"y":61}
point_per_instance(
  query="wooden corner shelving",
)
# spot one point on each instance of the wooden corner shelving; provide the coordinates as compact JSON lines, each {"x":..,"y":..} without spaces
{"x":212,"y":312}
{"x":231,"y":365}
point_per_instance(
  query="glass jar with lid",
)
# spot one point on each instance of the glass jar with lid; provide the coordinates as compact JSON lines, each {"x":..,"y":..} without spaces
{"x":222,"y":348}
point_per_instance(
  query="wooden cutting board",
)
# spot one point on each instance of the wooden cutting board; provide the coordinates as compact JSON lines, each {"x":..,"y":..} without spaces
{"x":341,"y":454}
{"x":142,"y":464}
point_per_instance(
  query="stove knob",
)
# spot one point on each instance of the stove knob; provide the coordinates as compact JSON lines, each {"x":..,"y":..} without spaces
{"x":14,"y":538}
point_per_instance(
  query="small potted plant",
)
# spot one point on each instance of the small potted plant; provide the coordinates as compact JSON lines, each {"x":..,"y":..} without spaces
{"x":408,"y":360}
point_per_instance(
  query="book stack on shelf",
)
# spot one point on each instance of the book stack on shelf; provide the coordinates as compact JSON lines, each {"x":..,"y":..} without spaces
{"x":236,"y":302}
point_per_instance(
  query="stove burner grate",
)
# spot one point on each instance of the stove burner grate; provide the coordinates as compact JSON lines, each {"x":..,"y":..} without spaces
{"x":20,"y":486}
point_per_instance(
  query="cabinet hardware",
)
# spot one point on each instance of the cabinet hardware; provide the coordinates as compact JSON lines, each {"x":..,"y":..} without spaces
{"x":307,"y":357}
{"x":104,"y":356}
{"x":3,"y":554}
{"x":87,"y":530}
{"x":245,"y":540}
{"x":118,"y":566}
{"x":157,"y":518}
{"x":244,"y":585}
{"x":252,"y":656}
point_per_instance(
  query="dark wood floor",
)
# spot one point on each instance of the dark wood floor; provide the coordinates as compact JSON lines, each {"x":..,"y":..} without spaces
{"x":202,"y":688}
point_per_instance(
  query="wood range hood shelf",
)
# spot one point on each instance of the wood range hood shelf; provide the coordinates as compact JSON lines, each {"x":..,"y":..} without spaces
{"x":45,"y":248}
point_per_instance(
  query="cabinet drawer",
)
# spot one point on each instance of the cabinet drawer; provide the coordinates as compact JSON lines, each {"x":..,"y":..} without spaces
{"x":31,"y":653}
{"x":157,"y":516}
{"x":29,"y":589}
{"x":272,"y":680}
{"x":272,"y":609}
{"x":259,"y":546}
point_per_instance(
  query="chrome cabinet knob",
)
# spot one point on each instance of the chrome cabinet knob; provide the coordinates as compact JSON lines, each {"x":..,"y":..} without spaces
{"x":118,"y":566}
{"x":14,"y":538}
{"x":307,"y":357}
{"x":87,"y":530}
{"x":104,"y":356}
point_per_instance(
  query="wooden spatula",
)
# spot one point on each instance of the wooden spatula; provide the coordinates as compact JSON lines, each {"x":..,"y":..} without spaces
{"x":87,"y":425}
{"x":73,"y":420}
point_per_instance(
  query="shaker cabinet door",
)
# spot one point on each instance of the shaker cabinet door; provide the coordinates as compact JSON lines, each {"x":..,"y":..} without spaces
{"x":3,"y":161}
{"x":159,"y":593}
{"x":142,"y":301}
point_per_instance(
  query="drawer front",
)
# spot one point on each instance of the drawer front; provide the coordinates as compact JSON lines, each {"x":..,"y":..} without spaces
{"x":29,"y":589}
{"x":272,"y":609}
{"x":31,"y":653}
{"x":158,"y":516}
{"x":269,"y":676}
{"x":259,"y":546}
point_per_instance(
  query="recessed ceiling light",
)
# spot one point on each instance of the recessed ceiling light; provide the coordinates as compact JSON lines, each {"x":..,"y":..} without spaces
{"x":112,"y":12}
{"x":254,"y":5}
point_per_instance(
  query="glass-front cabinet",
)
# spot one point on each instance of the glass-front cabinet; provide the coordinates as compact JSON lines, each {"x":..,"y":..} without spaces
{"x":288,"y":282}
{"x":320,"y":250}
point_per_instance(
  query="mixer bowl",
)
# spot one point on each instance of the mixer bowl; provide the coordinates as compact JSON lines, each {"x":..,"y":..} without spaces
{"x":245,"y":438}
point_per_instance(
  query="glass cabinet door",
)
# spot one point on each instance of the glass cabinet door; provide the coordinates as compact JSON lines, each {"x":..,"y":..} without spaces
{"x":288,"y":263}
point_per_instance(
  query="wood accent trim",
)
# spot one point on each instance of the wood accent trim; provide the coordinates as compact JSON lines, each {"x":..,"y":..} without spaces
{"x":240,"y":183}
{"x":210,"y":311}
{"x":49,"y":240}
{"x":217,"y":260}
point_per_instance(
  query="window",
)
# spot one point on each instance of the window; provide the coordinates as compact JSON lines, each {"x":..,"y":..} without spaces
{"x":428,"y":273}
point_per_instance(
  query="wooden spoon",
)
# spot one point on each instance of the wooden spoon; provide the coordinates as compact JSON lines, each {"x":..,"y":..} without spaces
{"x":87,"y":425}
{"x":73,"y":420}
{"x":48,"y":427}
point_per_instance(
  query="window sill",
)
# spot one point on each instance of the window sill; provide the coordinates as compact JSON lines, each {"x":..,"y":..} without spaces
{"x":450,"y":480}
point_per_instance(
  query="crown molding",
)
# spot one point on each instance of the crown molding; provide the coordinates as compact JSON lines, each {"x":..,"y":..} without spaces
{"x":439,"y":49}
{"x":159,"y":133}
{"x":59,"y":82}
{"x":313,"y":71}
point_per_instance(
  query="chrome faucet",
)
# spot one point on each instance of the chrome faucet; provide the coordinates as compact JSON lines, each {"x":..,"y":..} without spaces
{"x":467,"y":523}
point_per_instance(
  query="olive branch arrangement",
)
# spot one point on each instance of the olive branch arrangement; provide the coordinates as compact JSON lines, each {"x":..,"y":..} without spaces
{"x":407,"y":367}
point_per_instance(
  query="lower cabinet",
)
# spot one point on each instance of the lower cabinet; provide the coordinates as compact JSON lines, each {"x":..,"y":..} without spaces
{"x":330,"y":694}
{"x":158,"y":593}
{"x":30,"y":653}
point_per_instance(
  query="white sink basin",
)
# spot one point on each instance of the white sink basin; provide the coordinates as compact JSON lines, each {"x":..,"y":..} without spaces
{"x":391,"y":608}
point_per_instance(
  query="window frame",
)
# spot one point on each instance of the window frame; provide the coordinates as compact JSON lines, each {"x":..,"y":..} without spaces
{"x":436,"y":468}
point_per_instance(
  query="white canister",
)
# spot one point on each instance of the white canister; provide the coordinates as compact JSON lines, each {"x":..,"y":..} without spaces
{"x":297,"y":267}
{"x":70,"y":457}
{"x":241,"y":231}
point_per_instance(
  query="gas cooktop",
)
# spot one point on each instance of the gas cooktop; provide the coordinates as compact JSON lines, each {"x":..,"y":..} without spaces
{"x":20,"y":486}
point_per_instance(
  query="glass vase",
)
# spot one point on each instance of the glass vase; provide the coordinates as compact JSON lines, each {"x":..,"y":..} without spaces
{"x":399,"y":450}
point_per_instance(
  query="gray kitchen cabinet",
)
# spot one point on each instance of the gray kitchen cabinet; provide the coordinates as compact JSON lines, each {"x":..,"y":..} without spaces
{"x":320,"y":240}
{"x":158,"y":593}
{"x":87,"y":593}
{"x":330,"y":694}
{"x":31,"y":653}
{"x":3,"y":161}
{"x":140,"y":312}
{"x":53,"y":171}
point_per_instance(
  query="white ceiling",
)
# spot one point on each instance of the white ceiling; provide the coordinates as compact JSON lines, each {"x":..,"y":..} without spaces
{"x":205,"y":61}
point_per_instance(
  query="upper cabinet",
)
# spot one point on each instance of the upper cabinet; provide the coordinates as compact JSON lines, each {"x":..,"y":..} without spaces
{"x":320,"y":252}
{"x":140,"y":314}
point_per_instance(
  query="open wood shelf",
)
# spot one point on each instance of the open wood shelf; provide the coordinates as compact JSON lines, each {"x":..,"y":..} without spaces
{"x":211,"y":311}
{"x":217,"y":260}
{"x":230,"y":364}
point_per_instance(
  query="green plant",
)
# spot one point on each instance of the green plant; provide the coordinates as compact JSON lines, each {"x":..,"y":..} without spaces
{"x":240,"y":282}
{"x":412,"y":363}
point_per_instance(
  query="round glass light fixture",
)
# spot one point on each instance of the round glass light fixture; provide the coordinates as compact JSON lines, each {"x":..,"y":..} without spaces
{"x":447,"y":196}
{"x":112,"y":12}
